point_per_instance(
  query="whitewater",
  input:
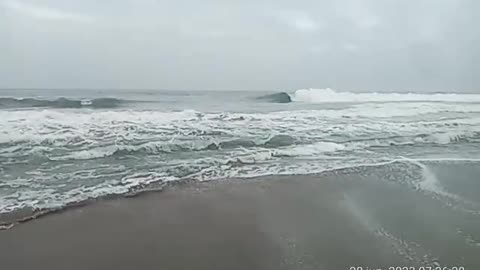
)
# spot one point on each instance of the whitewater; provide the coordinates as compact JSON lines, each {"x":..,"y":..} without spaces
{"x":61,"y":147}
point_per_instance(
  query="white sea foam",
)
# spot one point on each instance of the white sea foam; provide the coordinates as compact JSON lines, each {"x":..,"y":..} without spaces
{"x":100,"y":134}
{"x":311,"y":149}
{"x":51,"y":199}
{"x":88,"y":154}
{"x":448,"y":159}
{"x":407,"y":109}
{"x":430,"y":182}
{"x":76,"y":128}
{"x":329,"y":95}
{"x":242,"y":163}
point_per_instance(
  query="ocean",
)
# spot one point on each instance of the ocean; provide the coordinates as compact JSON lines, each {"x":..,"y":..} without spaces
{"x":63,"y":147}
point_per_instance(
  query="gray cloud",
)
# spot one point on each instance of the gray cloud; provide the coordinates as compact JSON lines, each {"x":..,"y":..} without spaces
{"x":263,"y":44}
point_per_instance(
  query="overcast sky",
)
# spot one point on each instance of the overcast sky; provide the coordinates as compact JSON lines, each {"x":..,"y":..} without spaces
{"x":244,"y":44}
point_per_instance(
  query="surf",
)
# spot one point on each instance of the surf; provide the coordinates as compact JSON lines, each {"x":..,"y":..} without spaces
{"x":329,"y":95}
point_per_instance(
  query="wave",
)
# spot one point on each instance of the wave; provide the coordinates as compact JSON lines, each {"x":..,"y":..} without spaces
{"x":19,"y":212}
{"x":331,"y":96}
{"x":401,"y":171}
{"x":281,"y":97}
{"x":184,"y":131}
{"x":318,"y":148}
{"x":310,"y":149}
{"x":11,"y":103}
{"x":276,"y":146}
{"x":440,"y":138}
{"x":154,"y":148}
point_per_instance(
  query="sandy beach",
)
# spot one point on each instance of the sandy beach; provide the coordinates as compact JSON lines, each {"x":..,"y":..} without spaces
{"x":330,"y":221}
{"x":239,"y":135}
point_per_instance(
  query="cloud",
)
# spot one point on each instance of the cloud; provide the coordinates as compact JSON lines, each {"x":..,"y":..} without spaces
{"x":258,"y":44}
{"x":45,"y":13}
{"x":350,"y":47}
{"x":358,"y":13}
{"x":318,"y":49}
{"x":299,"y":21}
{"x":197,"y":32}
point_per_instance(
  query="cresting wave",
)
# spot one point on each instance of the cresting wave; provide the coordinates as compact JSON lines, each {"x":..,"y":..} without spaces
{"x":11,"y":103}
{"x":332,"y":96}
{"x":282,"y":97}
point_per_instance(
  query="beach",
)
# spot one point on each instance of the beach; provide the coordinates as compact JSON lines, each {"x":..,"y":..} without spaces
{"x":309,"y":179}
{"x":334,"y":220}
{"x":239,"y":135}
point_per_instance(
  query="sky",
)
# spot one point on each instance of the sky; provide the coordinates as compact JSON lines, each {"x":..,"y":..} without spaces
{"x":354,"y":45}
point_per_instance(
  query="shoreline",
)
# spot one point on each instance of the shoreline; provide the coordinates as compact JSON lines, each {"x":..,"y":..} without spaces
{"x":20,"y":216}
{"x":213,"y":225}
{"x":336,"y":220}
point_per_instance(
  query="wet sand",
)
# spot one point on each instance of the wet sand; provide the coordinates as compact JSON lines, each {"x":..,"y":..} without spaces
{"x":283,"y":222}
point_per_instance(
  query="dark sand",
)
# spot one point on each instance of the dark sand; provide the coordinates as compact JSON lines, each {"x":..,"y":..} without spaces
{"x":290,"y":222}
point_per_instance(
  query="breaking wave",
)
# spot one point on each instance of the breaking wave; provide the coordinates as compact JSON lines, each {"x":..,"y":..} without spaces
{"x":276,"y":146}
{"x":10,"y":103}
{"x":331,"y":96}
{"x":153,"y":148}
{"x":282,"y":97}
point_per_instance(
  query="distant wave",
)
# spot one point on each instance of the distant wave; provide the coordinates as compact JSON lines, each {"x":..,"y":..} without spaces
{"x":331,"y":96}
{"x":282,"y":97}
{"x":9,"y":103}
